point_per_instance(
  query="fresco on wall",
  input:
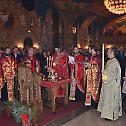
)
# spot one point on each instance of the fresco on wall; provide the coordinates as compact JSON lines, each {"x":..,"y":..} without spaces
{"x":15,"y":26}
{"x":84,"y":37}
{"x":46,"y":31}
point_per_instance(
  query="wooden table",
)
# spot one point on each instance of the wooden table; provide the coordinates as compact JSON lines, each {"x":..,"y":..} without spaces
{"x":53,"y":88}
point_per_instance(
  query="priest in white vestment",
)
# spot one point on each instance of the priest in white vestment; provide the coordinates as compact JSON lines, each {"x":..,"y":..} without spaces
{"x":110,"y":103}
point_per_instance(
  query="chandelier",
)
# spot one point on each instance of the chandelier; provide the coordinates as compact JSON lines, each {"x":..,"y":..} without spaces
{"x":116,"y":6}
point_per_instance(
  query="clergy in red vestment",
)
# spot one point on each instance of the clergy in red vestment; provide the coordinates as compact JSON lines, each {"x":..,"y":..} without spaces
{"x":33,"y":78}
{"x":55,"y":63}
{"x":8,"y":69}
{"x":57,"y":50}
{"x":64,"y":63}
{"x":60,"y":65}
{"x":93,"y":78}
{"x":77,"y":85}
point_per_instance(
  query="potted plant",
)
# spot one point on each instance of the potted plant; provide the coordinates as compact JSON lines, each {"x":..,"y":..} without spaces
{"x":20,"y":112}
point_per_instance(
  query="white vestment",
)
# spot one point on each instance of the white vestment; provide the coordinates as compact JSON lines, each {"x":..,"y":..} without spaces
{"x":110,"y":103}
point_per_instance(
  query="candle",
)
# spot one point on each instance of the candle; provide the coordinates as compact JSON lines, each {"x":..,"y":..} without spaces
{"x":103,"y":57}
{"x":47,"y":61}
{"x":52,"y":62}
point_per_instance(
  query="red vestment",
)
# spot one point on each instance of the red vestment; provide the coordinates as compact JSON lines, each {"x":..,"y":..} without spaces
{"x":60,"y":65}
{"x":55,"y":55}
{"x":8,"y":69}
{"x":33,"y":64}
{"x":93,"y":80}
{"x":77,"y":76}
{"x":79,"y":71}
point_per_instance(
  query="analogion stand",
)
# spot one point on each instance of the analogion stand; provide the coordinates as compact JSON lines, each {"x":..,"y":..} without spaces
{"x":53,"y":88}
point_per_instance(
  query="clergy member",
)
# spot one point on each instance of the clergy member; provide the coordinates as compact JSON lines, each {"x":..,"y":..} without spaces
{"x":93,"y":78}
{"x":110,"y":103}
{"x":77,"y":86}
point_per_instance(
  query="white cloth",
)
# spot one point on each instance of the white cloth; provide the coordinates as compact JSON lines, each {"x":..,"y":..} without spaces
{"x":71,"y":60}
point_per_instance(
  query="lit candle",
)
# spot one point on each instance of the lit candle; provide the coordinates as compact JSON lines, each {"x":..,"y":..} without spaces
{"x":52,"y":62}
{"x":47,"y":61}
{"x":103,"y":56}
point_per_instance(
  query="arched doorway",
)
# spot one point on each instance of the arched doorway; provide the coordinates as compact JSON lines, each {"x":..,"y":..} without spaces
{"x":28,"y":43}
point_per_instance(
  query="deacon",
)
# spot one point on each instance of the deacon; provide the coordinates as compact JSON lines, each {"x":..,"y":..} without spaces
{"x":110,"y":103}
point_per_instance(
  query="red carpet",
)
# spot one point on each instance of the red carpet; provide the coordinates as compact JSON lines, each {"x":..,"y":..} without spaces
{"x":47,"y":115}
{"x":5,"y":120}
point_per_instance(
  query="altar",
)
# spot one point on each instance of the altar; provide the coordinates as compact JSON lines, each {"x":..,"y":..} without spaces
{"x":53,"y":88}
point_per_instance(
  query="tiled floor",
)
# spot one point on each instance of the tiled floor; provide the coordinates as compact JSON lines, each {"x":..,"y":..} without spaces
{"x":92,"y":118}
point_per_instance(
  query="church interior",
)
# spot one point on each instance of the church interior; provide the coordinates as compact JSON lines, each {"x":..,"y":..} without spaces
{"x":46,"y":25}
